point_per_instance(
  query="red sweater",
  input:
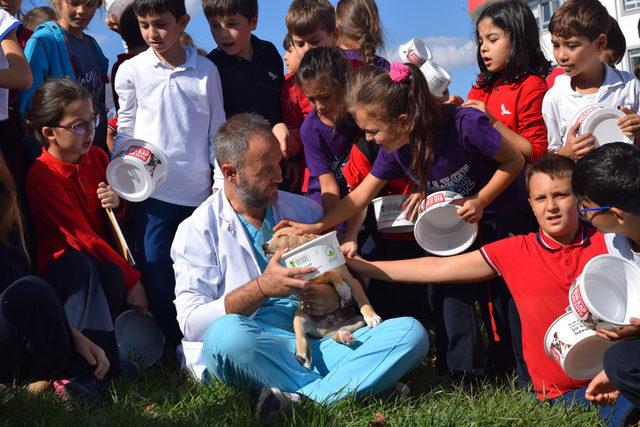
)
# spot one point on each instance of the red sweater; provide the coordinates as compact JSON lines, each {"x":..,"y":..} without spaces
{"x":68,"y":213}
{"x":519,"y":107}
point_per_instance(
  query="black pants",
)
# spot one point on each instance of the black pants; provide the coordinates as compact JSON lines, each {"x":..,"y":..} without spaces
{"x":35,"y":339}
{"x":506,"y":352}
{"x":622,"y":365}
{"x":91,"y":293}
{"x":76,"y":274}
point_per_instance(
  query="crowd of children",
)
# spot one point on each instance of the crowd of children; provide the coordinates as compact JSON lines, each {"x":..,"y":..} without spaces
{"x":351,"y":127}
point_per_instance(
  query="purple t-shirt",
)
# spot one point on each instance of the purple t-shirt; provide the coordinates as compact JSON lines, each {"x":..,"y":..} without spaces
{"x":326,"y":149}
{"x":352,"y":54}
{"x":463,"y":161}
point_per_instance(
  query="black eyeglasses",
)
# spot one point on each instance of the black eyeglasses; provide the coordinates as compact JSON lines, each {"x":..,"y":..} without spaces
{"x":82,"y":127}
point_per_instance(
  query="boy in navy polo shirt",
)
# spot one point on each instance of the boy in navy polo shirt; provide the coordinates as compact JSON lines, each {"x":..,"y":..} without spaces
{"x":538,"y":269}
{"x":250,"y":69}
{"x":607,"y":183}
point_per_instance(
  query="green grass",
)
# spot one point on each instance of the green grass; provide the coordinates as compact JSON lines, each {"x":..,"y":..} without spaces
{"x":164,"y":396}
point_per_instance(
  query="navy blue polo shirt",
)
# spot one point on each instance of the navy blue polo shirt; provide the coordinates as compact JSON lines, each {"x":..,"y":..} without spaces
{"x":251,"y":86}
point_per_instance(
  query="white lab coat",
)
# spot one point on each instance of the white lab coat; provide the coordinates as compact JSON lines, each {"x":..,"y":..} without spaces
{"x":212,"y":256}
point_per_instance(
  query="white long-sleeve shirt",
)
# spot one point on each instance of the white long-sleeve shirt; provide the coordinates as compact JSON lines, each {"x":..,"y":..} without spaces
{"x":179,"y":110}
{"x":561,"y":102}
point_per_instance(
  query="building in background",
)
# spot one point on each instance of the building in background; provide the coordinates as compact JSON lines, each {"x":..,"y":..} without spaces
{"x":626,"y":12}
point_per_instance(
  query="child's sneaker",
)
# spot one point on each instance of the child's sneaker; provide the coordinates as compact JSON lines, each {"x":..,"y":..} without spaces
{"x":80,"y":387}
{"x":272,"y":402}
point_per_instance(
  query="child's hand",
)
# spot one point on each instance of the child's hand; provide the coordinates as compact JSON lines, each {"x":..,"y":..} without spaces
{"x":411,"y":206}
{"x":137,"y":298}
{"x":629,"y":125}
{"x":349,"y":248}
{"x":108,"y":198}
{"x":479,"y":105}
{"x":454,"y":99}
{"x":601,"y":391}
{"x":616,"y":334}
{"x":577,"y":146}
{"x":94,"y":355}
{"x":281,"y":132}
{"x":471,"y":208}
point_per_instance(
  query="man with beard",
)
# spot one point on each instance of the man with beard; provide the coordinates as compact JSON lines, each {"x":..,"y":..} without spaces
{"x":236,"y":307}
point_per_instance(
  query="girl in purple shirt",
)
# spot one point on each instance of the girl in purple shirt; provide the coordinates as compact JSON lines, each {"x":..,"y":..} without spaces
{"x":329,"y":131}
{"x":439,"y":147}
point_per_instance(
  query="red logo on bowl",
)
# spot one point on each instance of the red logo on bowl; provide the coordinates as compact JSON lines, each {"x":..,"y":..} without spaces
{"x":555,"y":354}
{"x":586,"y":113}
{"x":414,"y":58}
{"x":431,"y":200}
{"x":139,"y":153}
{"x":577,"y":303}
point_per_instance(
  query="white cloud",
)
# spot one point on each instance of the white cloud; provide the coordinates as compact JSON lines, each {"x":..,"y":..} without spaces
{"x":450,"y":52}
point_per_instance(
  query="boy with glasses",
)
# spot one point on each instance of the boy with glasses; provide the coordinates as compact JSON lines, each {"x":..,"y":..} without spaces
{"x":607,"y":181}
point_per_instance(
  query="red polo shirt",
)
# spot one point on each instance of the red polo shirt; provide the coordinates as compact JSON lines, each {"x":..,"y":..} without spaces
{"x":67,"y":211}
{"x":539,"y":272}
{"x":518,"y":106}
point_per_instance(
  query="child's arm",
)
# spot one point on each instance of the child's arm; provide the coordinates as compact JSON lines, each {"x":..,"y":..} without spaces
{"x":350,"y":243}
{"x":126,"y":90}
{"x":466,"y":268}
{"x":518,"y":141}
{"x":218,"y":117}
{"x":18,"y":75}
{"x":511,"y":163}
{"x":54,"y":207}
{"x":329,"y":191}
{"x":36,"y":56}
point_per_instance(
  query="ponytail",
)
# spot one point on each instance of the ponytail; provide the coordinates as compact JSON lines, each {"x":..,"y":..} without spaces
{"x":359,"y":23}
{"x":402,"y":91}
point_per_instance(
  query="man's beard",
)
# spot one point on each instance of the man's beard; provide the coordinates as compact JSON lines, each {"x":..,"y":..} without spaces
{"x":254,"y":198}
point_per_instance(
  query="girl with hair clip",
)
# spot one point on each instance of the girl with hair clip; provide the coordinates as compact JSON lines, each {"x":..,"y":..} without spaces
{"x":36,"y":340}
{"x":68,"y":198}
{"x":328,"y":132}
{"x":360,"y":33}
{"x":440,"y":147}
{"x":509,"y":90}
{"x":58,"y":49}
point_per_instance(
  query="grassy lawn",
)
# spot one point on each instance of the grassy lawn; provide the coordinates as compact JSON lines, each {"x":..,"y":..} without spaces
{"x":165,"y":396}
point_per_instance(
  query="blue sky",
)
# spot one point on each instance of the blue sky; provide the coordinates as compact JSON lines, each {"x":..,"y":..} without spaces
{"x":444,"y":25}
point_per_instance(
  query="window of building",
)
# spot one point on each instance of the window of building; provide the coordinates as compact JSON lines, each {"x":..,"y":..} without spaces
{"x":631,"y":4}
{"x":543,"y":9}
{"x":634,"y":59}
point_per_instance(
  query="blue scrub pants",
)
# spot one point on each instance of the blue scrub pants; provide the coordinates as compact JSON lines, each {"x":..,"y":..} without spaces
{"x":261,"y":352}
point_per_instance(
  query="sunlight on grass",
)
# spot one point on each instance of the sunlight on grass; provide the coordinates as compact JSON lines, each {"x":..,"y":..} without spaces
{"x":164,"y":396}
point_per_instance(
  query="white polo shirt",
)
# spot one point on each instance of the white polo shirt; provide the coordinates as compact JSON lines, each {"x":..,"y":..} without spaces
{"x":7,"y":24}
{"x":561,"y":102}
{"x":179,"y":110}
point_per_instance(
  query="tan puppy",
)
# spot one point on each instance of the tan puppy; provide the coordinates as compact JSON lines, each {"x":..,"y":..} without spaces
{"x":341,"y":323}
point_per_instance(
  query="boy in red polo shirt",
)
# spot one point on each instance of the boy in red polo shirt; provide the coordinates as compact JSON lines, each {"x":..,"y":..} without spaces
{"x":555,"y":256}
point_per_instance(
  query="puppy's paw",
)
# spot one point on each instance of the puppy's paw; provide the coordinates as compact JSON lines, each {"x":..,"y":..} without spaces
{"x":345,"y":337}
{"x":373,"y":321}
{"x":302,"y":360}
